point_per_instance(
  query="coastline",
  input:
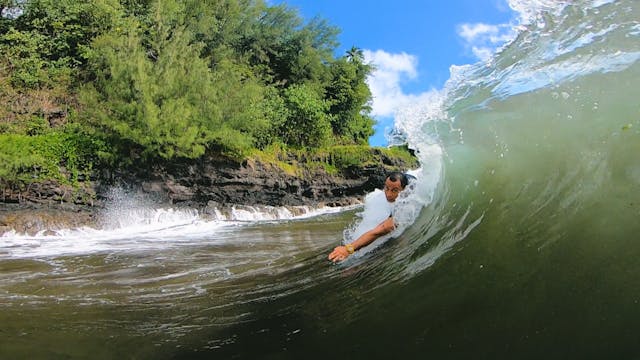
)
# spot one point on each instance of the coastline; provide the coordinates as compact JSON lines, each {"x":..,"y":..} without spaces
{"x":210,"y":186}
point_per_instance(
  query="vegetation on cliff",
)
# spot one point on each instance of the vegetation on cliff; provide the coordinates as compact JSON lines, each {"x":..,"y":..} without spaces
{"x":113,"y":83}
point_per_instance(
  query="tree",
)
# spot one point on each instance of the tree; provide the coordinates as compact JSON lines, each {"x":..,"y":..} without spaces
{"x":46,"y":42}
{"x":163,"y":97}
{"x":349,"y":98}
{"x":355,"y":55}
{"x":173,"y":78}
{"x":308,"y":122}
{"x":284,"y":50}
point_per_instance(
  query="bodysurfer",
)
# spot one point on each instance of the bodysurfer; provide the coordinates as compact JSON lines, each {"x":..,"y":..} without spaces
{"x":394,"y":183}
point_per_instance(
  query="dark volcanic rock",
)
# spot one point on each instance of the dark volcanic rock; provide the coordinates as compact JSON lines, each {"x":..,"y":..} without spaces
{"x":256,"y":183}
{"x":30,"y":219}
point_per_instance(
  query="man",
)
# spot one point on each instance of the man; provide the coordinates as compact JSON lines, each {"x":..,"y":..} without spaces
{"x":393,"y":185}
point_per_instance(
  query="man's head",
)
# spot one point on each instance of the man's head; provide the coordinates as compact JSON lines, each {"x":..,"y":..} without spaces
{"x":394,"y":184}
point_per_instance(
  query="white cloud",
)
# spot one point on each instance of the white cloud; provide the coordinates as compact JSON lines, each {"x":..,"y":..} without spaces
{"x":385,"y":82}
{"x":483,"y":39}
{"x":471,"y":32}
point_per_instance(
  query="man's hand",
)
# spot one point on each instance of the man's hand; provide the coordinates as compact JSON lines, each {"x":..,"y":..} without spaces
{"x":339,"y":253}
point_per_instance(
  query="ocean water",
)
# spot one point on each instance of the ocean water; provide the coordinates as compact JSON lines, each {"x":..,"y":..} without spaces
{"x":518,"y":240}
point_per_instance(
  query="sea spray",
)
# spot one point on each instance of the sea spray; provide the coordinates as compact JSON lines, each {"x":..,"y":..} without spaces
{"x":135,"y":223}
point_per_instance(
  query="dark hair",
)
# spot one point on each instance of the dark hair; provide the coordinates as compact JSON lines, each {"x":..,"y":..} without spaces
{"x":396,"y":175}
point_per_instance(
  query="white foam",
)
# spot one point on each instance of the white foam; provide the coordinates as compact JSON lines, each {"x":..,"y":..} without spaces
{"x":143,"y":229}
{"x":531,"y":10}
{"x":273,"y":213}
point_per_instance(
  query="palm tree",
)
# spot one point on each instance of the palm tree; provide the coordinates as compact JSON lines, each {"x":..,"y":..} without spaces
{"x":355,"y":54}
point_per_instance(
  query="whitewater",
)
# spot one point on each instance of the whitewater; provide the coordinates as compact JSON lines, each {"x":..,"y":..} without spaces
{"x":519,"y":238}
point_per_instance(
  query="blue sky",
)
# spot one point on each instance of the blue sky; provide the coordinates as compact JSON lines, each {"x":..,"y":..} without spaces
{"x":412,"y":42}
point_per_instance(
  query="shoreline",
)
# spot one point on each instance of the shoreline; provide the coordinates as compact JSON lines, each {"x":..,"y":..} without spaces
{"x":24,"y":219}
{"x":211,"y":187}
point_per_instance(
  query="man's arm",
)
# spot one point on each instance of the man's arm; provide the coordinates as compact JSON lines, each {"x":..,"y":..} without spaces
{"x":342,"y":252}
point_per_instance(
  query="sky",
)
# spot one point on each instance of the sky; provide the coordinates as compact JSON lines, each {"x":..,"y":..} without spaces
{"x":412,"y":43}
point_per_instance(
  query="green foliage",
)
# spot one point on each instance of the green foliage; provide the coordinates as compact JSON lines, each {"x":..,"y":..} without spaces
{"x":308,"y":123}
{"x":275,"y":113}
{"x":239,"y":96}
{"x":165,"y":79}
{"x":349,"y":95}
{"x":221,"y":24}
{"x":333,"y":159}
{"x":343,"y":157}
{"x":170,"y":103}
{"x":401,"y":152}
{"x":23,"y":50}
{"x":47,"y":41}
{"x":59,"y":155}
{"x":283,"y":50}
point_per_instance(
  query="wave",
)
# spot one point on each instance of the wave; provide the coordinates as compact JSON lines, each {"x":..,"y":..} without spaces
{"x":542,"y":136}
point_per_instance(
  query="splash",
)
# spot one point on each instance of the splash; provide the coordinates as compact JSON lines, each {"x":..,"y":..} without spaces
{"x":132,"y":222}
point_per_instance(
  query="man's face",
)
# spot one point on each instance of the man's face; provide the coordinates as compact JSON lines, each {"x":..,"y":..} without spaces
{"x":392,"y":189}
